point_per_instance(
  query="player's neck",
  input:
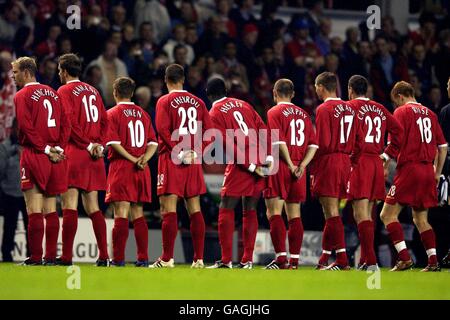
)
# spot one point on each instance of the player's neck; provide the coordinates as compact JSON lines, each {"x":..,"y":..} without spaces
{"x":410,"y":100}
{"x":359,"y":98}
{"x":174,"y":87}
{"x":30,"y":80}
{"x":118,"y":101}
{"x":330,"y":95}
{"x":285,"y":100}
{"x":69,"y":79}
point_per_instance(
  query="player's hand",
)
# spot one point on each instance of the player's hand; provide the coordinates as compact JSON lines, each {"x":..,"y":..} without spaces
{"x":189,"y":157}
{"x":293,"y":169}
{"x":142,"y":162}
{"x":437,"y":178}
{"x":300,"y":171}
{"x":97,"y":151}
{"x":261,"y":171}
{"x":55,"y":157}
{"x":93,"y":151}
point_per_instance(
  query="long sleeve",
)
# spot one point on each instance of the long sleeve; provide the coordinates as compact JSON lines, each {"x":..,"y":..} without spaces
{"x":65,"y":126}
{"x":323,"y":127}
{"x":395,"y":130}
{"x":103,"y":122}
{"x":30,"y":136}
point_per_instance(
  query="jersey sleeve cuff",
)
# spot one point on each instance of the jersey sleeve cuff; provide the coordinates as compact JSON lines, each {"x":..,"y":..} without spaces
{"x":269,"y":159}
{"x":385,"y":156}
{"x":443,"y":145}
{"x":313,"y":146}
{"x":252,"y":167}
{"x":112,"y":142}
{"x":90,"y":146}
{"x":152,"y":143}
{"x":47,"y":149}
{"x":278,"y":142}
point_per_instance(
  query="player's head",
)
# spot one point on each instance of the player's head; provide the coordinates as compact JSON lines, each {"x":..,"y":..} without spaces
{"x":174,"y":75}
{"x":326,"y":84}
{"x":216,"y":89}
{"x":69,"y":66}
{"x":357,"y":86}
{"x":24,"y":71}
{"x":283,"y":90}
{"x":402,"y":92}
{"x":123,"y":88}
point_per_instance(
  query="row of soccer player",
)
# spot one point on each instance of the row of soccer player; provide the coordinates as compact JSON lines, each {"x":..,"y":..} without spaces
{"x":64,"y":133}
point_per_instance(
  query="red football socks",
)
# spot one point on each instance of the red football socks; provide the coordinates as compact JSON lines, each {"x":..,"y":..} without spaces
{"x":169,"y":234}
{"x":119,"y":238}
{"x":327,"y":243}
{"x":366,"y":236}
{"x":249,"y":231}
{"x":278,"y":235}
{"x":141,"y":236}
{"x":295,"y":237}
{"x":395,"y":231}
{"x":339,"y":240}
{"x":35,"y":235}
{"x":51,"y":235}
{"x":69,"y":229}
{"x":226,"y":229}
{"x":99,"y":226}
{"x":198,"y":234}
{"x":429,"y":242}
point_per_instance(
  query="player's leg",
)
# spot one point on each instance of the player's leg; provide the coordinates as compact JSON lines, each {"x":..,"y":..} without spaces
{"x":420,"y":218}
{"x":90,"y":204}
{"x":277,"y":232}
{"x":51,"y":229}
{"x":295,"y":232}
{"x":34,"y":200}
{"x":226,"y":230}
{"x":120,"y":232}
{"x":249,"y":229}
{"x":168,"y":208}
{"x":140,"y":234}
{"x":333,"y":234}
{"x":197,"y":230}
{"x":69,"y":225}
{"x":362,"y":209}
{"x":389,"y":216}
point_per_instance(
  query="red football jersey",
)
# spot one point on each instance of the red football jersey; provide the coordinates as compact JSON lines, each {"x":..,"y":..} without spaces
{"x":245,"y":123}
{"x":375,"y":120}
{"x":181,"y":116}
{"x":296,"y":130}
{"x":336,"y":127}
{"x":87,"y":113}
{"x":41,"y":118}
{"x":131,"y":127}
{"x":423,"y":134}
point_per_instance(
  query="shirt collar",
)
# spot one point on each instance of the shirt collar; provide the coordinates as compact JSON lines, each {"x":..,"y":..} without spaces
{"x":362,"y":98}
{"x":280,"y":103}
{"x":31,"y":84}
{"x":126,"y":102}
{"x":177,"y":91}
{"x":332,"y":99}
{"x":71,"y":81}
{"x":217,"y":101}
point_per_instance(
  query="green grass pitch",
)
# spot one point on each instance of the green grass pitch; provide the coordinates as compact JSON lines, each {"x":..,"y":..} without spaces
{"x":180,"y":283}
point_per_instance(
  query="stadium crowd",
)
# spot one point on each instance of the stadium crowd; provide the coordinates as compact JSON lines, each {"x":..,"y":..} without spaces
{"x":227,"y":38}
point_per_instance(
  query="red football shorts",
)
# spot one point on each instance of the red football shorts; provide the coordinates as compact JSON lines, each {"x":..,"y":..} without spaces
{"x":239,"y":182}
{"x":414,"y":185}
{"x":84,"y":172}
{"x":330,"y":175}
{"x":183,"y":180}
{"x":367,"y":179}
{"x":128,"y":183}
{"x":284,"y":185}
{"x":36,"y":169}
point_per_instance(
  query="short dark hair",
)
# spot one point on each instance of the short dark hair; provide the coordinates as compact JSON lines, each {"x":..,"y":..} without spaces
{"x":404,"y":88}
{"x":124,"y":87}
{"x":175,"y":73}
{"x":284,"y":87}
{"x":359,"y":85}
{"x":26,"y":63}
{"x":328,"y":80}
{"x":71,"y":63}
{"x":216,"y":89}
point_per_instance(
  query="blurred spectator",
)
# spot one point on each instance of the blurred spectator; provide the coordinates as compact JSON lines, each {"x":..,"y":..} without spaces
{"x":180,"y":56}
{"x":147,"y":41}
{"x":118,"y":17}
{"x":246,"y":49}
{"x":421,"y":65}
{"x":301,"y":41}
{"x":195,"y":85}
{"x":154,"y":12}
{"x":388,"y":29}
{"x":213,"y":40}
{"x":242,"y":15}
{"x":64,"y":45}
{"x":417,"y":85}
{"x":386,"y":69}
{"x":93,"y":76}
{"x":223,"y":8}
{"x":434,"y":99}
{"x":323,"y":37}
{"x":11,"y":193}
{"x":112,"y":68}
{"x":178,"y":38}
{"x":23,"y":42}
{"x":313,"y":16}
{"x":142,"y":97}
{"x":58,"y":18}
{"x":441,"y":61}
{"x":230,"y":64}
{"x":7,"y":92}
{"x":336,"y":46}
{"x":14,"y":16}
{"x":192,"y":37}
{"x":49,"y":47}
{"x":350,"y":48}
{"x":127,"y":34}
{"x":332,"y":65}
{"x":426,"y":34}
{"x":48,"y":73}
